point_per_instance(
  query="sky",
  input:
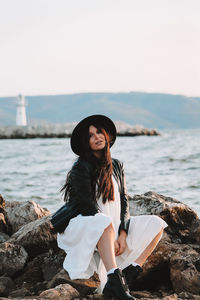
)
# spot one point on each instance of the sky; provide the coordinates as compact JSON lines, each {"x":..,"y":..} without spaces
{"x":72,"y":46}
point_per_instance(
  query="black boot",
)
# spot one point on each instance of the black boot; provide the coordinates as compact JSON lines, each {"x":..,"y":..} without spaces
{"x":116,"y":287}
{"x":131,"y":273}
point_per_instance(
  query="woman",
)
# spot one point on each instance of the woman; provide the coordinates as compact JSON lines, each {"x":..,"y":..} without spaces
{"x":101,"y":236}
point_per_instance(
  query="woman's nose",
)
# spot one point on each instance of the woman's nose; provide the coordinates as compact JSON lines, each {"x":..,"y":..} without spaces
{"x":96,"y":136}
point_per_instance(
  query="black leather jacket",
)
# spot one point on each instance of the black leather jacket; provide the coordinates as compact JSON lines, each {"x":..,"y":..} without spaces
{"x":82,"y":195}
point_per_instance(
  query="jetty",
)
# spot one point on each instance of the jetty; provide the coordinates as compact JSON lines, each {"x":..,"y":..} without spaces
{"x":65,"y":130}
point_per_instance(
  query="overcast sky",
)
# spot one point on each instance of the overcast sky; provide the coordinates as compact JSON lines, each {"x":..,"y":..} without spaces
{"x":70,"y":46}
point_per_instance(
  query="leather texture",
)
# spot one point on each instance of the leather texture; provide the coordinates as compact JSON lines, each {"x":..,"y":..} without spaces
{"x":82,"y":195}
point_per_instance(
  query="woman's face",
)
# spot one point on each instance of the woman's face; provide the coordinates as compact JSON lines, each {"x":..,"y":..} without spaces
{"x":97,"y":139}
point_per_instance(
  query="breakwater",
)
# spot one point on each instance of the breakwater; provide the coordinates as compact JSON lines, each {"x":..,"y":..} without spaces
{"x":65,"y":130}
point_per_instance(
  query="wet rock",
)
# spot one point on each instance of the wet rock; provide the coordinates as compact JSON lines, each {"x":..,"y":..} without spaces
{"x":84,"y":286}
{"x":60,"y":292}
{"x":12,"y":257}
{"x":6,"y":285}
{"x":21,"y":213}
{"x":36,"y":237}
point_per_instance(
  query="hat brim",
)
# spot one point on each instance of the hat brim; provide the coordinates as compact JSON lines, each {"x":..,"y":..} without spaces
{"x":99,"y":120}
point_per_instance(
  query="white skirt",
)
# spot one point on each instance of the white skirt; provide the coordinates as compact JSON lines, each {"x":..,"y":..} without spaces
{"x":81,"y":236}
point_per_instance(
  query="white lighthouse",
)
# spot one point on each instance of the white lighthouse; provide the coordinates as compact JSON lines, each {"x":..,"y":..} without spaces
{"x":21,"y":111}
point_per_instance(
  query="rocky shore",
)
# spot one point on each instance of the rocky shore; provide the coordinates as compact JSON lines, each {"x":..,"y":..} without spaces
{"x":31,"y":263}
{"x":65,"y":130}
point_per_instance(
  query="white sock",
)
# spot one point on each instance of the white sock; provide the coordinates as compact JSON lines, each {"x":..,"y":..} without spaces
{"x":135,"y":264}
{"x":111,"y":271}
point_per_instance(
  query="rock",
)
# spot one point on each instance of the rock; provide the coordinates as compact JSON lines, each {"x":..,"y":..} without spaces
{"x":171,"y":297}
{"x":40,"y":269}
{"x":20,"y":293}
{"x":96,"y":297}
{"x":65,"y":130}
{"x":175,"y":266}
{"x":175,"y":263}
{"x":12,"y":257}
{"x":171,"y":272}
{"x":52,"y":263}
{"x":142,"y":294}
{"x":84,"y":286}
{"x":2,"y":223}
{"x":5,"y":227}
{"x":185,"y":270}
{"x":21,"y":213}
{"x":36,"y":237}
{"x":6,"y":285}
{"x":3,"y":237}
{"x":60,"y":292}
{"x":183,"y":222}
{"x":184,"y":295}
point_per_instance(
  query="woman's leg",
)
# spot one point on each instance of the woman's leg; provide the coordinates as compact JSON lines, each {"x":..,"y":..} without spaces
{"x":115,"y":286}
{"x":149,"y":249}
{"x":106,"y":249}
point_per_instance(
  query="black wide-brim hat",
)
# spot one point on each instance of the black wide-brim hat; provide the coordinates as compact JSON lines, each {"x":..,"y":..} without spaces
{"x":95,"y":120}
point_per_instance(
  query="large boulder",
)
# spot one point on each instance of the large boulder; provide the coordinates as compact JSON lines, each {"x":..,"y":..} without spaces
{"x":13,"y":258}
{"x":40,"y":270}
{"x":60,"y":292}
{"x":175,"y":263}
{"x":185,"y":270}
{"x":183,"y":222}
{"x":21,"y":213}
{"x":36,"y":237}
{"x":84,"y":286}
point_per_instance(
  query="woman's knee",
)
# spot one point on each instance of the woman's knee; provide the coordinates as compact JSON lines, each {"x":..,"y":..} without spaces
{"x":156,"y":219}
{"x":109,"y":228}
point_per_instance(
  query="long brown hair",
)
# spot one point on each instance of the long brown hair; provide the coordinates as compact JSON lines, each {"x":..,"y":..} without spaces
{"x":102,"y":168}
{"x":104,"y":172}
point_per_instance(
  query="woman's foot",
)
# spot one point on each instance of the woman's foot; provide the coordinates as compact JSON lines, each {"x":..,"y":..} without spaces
{"x":116,"y":287}
{"x":131,"y":273}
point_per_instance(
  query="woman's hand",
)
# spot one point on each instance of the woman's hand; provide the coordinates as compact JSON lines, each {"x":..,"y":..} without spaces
{"x":120,"y":243}
{"x":116,"y":245}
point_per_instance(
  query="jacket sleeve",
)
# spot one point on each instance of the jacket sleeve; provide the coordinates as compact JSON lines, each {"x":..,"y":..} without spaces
{"x":125,"y":214}
{"x":81,"y":194}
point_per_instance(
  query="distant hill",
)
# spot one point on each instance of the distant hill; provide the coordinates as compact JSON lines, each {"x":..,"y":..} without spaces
{"x":152,"y":110}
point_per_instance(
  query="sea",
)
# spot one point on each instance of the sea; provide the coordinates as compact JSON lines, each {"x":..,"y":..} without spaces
{"x":169,"y":164}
